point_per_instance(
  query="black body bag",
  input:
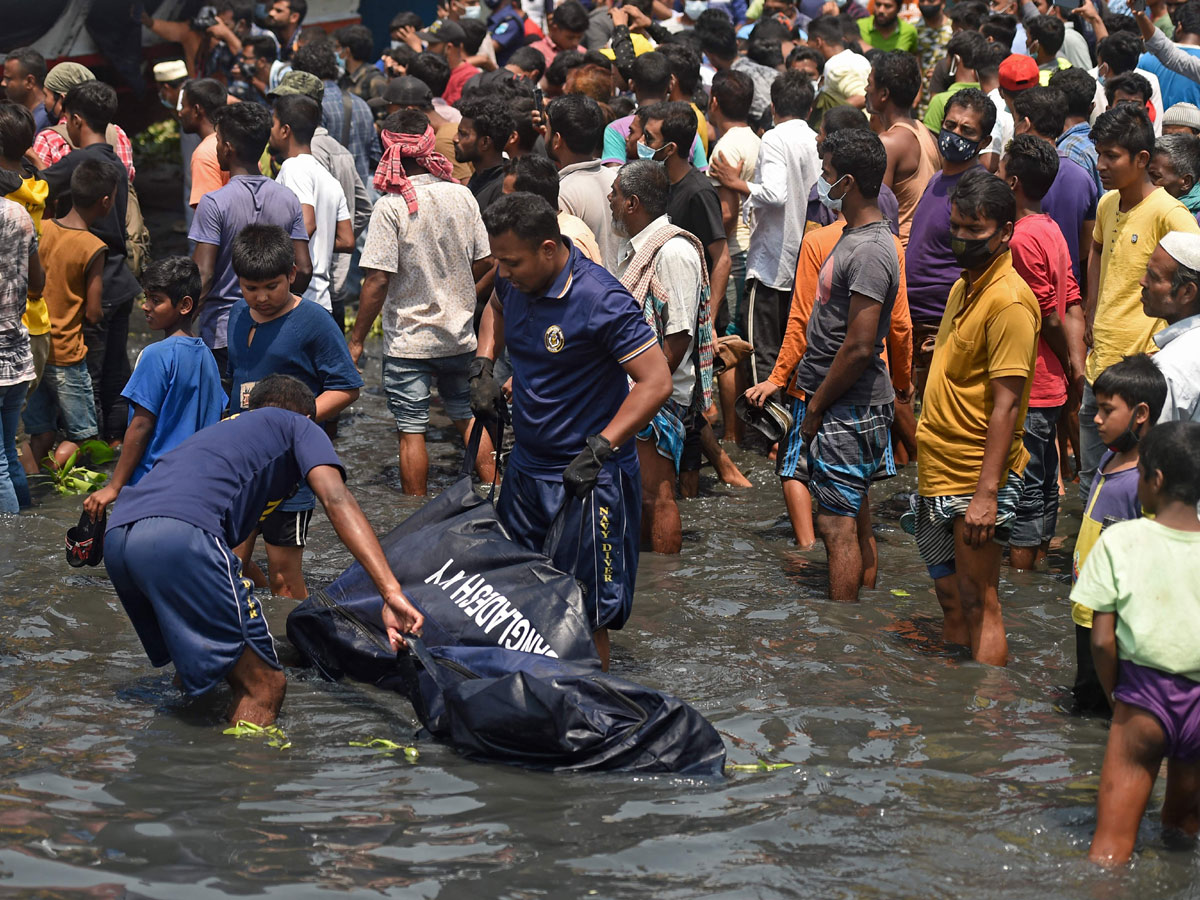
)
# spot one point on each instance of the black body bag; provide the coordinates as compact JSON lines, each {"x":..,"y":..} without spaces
{"x":506,"y":671}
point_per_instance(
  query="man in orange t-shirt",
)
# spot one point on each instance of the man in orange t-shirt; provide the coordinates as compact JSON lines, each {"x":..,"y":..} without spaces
{"x":200,"y":99}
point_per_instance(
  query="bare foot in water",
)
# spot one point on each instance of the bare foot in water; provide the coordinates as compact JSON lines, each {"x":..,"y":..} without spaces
{"x":727,"y":470}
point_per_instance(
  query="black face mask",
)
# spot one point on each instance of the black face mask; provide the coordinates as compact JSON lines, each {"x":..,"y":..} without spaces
{"x":972,"y":253}
{"x":931,"y":11}
{"x":1127,"y":440}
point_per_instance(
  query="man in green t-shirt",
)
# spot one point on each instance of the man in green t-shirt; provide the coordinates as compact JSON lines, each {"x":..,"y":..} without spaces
{"x":885,"y":31}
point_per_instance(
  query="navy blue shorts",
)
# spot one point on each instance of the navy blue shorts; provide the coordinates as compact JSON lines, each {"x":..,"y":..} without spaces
{"x":609,"y":523}
{"x":182,"y":589}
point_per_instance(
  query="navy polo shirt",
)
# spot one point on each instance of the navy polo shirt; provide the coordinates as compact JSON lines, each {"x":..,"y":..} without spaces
{"x":567,"y":349}
{"x":507,"y":28}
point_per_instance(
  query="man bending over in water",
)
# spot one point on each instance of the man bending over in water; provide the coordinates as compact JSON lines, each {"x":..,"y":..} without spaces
{"x":169,"y":545}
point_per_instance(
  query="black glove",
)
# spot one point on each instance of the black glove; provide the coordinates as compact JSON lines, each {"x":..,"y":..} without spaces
{"x":487,"y":403}
{"x":583,"y":472}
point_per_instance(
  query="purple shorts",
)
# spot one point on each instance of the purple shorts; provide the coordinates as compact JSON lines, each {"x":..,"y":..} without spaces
{"x":1174,"y":701}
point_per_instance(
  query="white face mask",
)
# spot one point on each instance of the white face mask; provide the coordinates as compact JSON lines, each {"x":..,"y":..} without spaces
{"x":694,"y":8}
{"x":474,"y":12}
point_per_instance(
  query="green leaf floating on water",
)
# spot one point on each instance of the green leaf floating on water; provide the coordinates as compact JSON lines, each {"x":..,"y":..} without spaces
{"x":761,"y":766}
{"x":273,"y":733}
{"x":410,"y":753}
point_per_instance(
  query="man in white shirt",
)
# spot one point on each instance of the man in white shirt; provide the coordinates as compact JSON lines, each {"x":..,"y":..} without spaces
{"x":575,"y":131}
{"x":846,"y":72}
{"x":987,"y":70}
{"x":663,"y":267}
{"x":776,"y":204}
{"x":1171,"y":292}
{"x":728,"y":113}
{"x":322,"y":201}
{"x":426,"y":247}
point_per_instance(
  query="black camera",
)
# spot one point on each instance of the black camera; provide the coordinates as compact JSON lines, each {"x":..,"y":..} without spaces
{"x":205,"y":19}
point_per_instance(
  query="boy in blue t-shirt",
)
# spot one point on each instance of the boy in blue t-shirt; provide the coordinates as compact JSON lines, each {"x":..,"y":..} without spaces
{"x":275,"y":332}
{"x":168,"y":547}
{"x":175,"y":388}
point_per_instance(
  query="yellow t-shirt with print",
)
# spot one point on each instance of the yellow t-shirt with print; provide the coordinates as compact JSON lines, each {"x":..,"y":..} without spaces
{"x":1128,"y":239}
{"x":992,"y":332}
{"x":32,"y":195}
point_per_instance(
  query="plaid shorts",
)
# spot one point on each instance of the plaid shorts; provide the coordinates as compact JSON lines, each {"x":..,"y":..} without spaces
{"x":667,"y":431}
{"x":935,"y":523}
{"x":851,"y":446}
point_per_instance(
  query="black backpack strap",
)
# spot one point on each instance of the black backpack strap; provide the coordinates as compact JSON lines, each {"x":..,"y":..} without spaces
{"x":474,"y":439}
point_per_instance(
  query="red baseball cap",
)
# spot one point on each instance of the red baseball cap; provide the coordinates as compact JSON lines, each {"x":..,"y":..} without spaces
{"x":1019,"y":72}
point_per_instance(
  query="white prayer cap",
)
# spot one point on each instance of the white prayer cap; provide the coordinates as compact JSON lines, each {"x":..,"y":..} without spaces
{"x":1183,"y":247}
{"x":170,"y":70}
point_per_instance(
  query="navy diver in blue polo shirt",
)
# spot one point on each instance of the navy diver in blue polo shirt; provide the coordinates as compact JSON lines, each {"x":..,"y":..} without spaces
{"x":588,"y":375}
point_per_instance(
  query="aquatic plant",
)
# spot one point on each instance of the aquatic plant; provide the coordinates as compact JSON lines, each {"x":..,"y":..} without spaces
{"x":72,"y":480}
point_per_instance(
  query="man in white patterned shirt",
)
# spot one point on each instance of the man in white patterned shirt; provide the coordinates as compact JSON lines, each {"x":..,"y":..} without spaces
{"x":425,"y":249}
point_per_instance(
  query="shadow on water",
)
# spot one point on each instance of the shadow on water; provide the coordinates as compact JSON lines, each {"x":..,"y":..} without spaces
{"x":917,"y":773}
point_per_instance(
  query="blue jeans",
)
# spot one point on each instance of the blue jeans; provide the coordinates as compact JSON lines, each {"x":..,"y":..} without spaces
{"x":14,"y":488}
{"x":409,"y":382}
{"x":64,"y":398}
{"x":1091,"y":448}
{"x":1037,"y":510}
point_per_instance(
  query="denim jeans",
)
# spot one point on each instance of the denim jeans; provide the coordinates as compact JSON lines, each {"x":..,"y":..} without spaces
{"x":1037,"y":510}
{"x":64,"y":402}
{"x":408,"y":384}
{"x":14,"y":488}
{"x":1091,"y":448}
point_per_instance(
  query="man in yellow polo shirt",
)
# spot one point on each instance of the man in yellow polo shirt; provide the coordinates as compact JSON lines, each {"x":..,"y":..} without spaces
{"x":1130,"y":220}
{"x":970,"y":454}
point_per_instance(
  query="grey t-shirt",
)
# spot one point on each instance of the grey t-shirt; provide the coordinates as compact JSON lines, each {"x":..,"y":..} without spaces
{"x":863,"y":262}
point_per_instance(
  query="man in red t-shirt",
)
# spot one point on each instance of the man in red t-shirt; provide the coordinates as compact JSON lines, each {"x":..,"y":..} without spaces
{"x":1041,"y":257}
{"x":445,"y":37}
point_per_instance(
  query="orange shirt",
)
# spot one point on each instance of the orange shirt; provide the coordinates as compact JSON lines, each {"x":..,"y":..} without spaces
{"x":66,"y":254}
{"x":818,"y":243}
{"x":206,"y":172}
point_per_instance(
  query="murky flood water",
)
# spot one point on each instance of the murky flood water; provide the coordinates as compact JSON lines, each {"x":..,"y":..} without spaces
{"x":915,"y":774}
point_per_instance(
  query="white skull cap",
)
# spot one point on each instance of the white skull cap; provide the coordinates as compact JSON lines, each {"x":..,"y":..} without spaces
{"x":1183,"y":247}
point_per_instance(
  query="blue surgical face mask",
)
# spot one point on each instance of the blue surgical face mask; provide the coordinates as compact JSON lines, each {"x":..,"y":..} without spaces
{"x":474,"y":12}
{"x":645,"y":152}
{"x":823,"y":189}
{"x":341,"y":64}
{"x":693,"y":8}
{"x":956,"y":148}
{"x":165,"y":102}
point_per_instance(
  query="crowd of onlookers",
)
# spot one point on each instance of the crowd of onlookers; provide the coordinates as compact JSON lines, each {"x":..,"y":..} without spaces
{"x":963,"y":237}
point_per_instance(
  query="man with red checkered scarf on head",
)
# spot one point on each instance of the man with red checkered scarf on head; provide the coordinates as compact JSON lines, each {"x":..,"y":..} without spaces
{"x":426,"y":247}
